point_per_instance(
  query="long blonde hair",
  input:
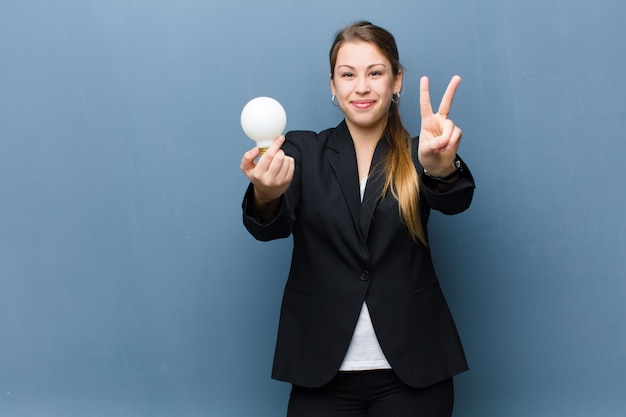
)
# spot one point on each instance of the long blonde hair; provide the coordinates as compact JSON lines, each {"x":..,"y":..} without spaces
{"x":400,"y":174}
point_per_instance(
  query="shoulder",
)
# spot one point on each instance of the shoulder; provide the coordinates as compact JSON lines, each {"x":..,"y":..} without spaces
{"x":308,"y":135}
{"x":296,"y":136}
{"x":307,"y":140}
{"x":414,"y":146}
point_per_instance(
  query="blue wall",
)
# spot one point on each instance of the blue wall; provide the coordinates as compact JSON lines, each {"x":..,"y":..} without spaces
{"x":128,"y":286}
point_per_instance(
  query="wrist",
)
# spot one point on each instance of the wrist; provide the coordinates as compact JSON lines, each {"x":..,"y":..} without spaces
{"x":261,"y":200}
{"x":265,"y":209}
{"x":445,"y":176}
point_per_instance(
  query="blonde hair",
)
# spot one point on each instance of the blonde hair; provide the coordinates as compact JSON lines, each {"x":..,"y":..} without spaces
{"x":400,"y":174}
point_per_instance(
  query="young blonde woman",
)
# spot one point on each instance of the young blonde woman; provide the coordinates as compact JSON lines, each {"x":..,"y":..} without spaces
{"x":364,"y":327}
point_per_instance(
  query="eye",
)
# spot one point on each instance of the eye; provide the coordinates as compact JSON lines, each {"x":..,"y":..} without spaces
{"x":376,"y":73}
{"x":347,"y":74}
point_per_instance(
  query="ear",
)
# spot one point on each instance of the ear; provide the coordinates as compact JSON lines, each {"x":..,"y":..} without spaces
{"x":332,"y":85}
{"x":397,"y":83}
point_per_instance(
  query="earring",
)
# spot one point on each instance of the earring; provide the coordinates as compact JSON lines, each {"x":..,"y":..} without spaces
{"x":332,"y":100}
{"x":395,"y":97}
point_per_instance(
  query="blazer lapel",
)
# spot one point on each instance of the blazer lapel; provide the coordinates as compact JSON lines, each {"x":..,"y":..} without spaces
{"x":374,"y":188}
{"x":344,"y":165}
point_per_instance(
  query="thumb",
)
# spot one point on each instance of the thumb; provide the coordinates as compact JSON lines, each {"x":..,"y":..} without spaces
{"x":247,"y":161}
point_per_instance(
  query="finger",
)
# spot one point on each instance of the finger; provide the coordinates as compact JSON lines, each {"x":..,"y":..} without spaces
{"x":446,"y":135}
{"x":455,"y":139}
{"x":448,"y":96}
{"x":266,"y":158}
{"x":287,"y":169}
{"x":247,"y":161}
{"x":278,"y":142}
{"x":292,"y":168}
{"x":426,"y":108}
{"x":276,"y":164}
{"x":275,"y":146}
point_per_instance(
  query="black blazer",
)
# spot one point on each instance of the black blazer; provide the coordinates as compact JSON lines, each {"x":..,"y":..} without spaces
{"x":345,"y":252}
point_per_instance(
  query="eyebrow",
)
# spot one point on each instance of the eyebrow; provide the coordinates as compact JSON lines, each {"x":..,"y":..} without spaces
{"x":368,"y":67}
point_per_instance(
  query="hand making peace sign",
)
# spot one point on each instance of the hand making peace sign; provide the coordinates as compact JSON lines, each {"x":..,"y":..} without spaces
{"x":439,"y":137}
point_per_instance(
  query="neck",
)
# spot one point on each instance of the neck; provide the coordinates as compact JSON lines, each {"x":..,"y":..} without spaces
{"x":365,"y":141}
{"x":365,"y":136}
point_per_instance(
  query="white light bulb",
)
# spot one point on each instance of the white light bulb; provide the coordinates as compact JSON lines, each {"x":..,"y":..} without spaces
{"x":263,"y":119}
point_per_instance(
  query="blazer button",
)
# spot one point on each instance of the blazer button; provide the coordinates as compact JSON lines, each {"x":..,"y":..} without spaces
{"x":364,"y":275}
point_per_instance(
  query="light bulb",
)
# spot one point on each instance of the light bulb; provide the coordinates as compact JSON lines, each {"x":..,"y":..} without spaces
{"x":263,"y":119}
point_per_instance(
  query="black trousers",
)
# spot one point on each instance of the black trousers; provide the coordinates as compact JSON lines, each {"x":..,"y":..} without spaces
{"x":371,"y":394}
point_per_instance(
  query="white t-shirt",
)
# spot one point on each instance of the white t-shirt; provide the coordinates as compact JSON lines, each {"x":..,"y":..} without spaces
{"x":364,"y":352}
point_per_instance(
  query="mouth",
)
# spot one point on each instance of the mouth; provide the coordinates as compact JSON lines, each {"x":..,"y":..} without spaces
{"x":363,"y":104}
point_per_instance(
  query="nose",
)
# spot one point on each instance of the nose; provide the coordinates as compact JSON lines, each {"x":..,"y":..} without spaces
{"x":362,"y":85}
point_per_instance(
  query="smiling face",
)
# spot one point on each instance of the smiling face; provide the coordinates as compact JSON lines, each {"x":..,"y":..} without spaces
{"x":363,"y":82}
